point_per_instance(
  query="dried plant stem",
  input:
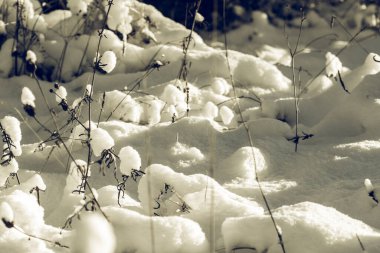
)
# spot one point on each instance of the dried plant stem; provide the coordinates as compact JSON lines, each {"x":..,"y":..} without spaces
{"x":293,"y":54}
{"x":39,"y":238}
{"x":183,"y":72}
{"x":97,"y":59}
{"x":246,"y":127}
{"x":57,"y":133}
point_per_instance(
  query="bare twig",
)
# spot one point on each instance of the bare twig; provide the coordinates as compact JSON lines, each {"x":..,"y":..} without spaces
{"x":246,"y":127}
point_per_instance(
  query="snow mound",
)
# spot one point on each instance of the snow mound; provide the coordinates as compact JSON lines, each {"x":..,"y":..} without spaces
{"x":243,"y":165}
{"x":122,"y":106}
{"x":255,"y":72}
{"x":108,"y":196}
{"x":93,"y":235}
{"x":327,"y":230}
{"x":171,"y":234}
{"x":28,"y":214}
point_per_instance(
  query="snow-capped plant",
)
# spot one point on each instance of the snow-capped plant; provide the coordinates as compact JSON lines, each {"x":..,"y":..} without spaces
{"x":129,"y":160}
{"x":78,"y":7}
{"x":61,"y":94}
{"x":89,"y":92}
{"x":6,"y":214}
{"x":74,"y":179}
{"x":27,"y":99}
{"x":11,"y":126}
{"x":11,"y":135}
{"x":199,"y":18}
{"x":108,"y":61}
{"x":371,"y":191}
{"x":130,"y":163}
{"x":31,"y":57}
{"x":333,"y":65}
{"x":100,"y":140}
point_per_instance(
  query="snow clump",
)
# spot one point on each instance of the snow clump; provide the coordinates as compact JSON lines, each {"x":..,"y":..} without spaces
{"x":100,"y":140}
{"x":27,"y":97}
{"x":172,"y":95}
{"x":333,"y":65}
{"x":226,"y":114}
{"x":6,"y":213}
{"x":129,"y":160}
{"x":31,"y":57}
{"x":11,"y":126}
{"x":108,"y":61}
{"x":210,"y":110}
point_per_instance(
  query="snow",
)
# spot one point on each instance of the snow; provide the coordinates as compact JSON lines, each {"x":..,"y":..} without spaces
{"x":204,"y":150}
{"x":331,"y":231}
{"x":210,"y":110}
{"x":31,"y":57}
{"x":226,"y":114}
{"x":333,"y":65}
{"x":129,"y":160}
{"x":11,"y":126}
{"x":61,"y":94}
{"x":220,"y":86}
{"x":171,"y":234}
{"x":172,"y":95}
{"x":108,"y":61}
{"x":27,"y":97}
{"x":100,"y":140}
{"x":368,"y":185}
{"x":6,"y":212}
{"x":93,"y":235}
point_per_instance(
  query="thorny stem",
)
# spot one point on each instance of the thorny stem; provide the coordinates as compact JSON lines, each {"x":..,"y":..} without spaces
{"x":246,"y":127}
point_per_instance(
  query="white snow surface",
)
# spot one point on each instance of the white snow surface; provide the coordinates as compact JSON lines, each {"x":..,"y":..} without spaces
{"x":206,"y":148}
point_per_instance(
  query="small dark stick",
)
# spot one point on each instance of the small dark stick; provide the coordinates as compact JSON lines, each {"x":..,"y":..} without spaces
{"x":342,"y":83}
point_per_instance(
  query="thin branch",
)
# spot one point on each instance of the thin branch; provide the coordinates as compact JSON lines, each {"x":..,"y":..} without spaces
{"x":246,"y":127}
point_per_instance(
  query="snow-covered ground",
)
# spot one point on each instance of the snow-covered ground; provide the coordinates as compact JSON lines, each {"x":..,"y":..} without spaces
{"x":175,"y":159}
